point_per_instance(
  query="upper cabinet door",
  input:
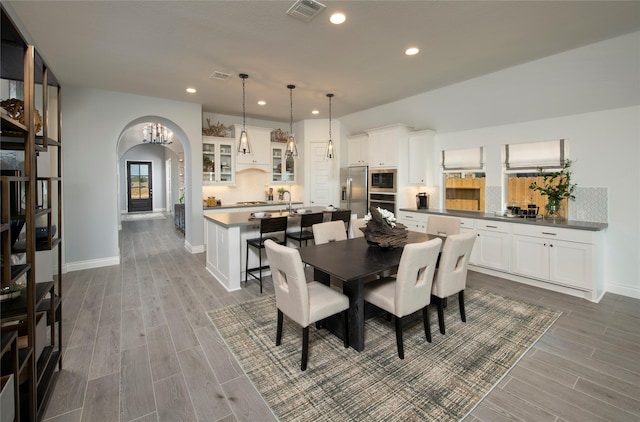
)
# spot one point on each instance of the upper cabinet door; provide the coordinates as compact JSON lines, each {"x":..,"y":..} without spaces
{"x":358,"y":150}
{"x":420,"y":157}
{"x":260,"y":140}
{"x":218,"y":164}
{"x":282,"y":167}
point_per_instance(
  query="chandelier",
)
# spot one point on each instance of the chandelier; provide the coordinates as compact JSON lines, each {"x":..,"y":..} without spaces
{"x":155,"y":133}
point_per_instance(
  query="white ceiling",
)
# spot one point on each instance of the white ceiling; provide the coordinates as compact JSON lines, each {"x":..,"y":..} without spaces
{"x":159,"y":48}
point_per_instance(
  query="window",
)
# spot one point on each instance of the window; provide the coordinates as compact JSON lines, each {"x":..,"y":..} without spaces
{"x":464,"y":179}
{"x":522,"y":164}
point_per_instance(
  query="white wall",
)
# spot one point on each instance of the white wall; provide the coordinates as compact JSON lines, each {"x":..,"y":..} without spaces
{"x":93,"y":122}
{"x":590,"y":96}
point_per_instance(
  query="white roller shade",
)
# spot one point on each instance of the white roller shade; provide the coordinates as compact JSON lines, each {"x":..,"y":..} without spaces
{"x":462,"y":159}
{"x":532,"y":155}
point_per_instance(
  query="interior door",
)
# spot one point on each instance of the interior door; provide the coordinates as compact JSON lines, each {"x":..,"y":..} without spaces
{"x":321,"y":172}
{"x":139,"y":191}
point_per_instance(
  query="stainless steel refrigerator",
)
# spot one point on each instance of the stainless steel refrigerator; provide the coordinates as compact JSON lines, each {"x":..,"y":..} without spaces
{"x":354,"y":189}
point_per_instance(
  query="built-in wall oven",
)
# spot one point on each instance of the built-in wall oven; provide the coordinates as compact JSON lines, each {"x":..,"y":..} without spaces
{"x":386,"y":201}
{"x":382,"y":180}
{"x":382,"y":189}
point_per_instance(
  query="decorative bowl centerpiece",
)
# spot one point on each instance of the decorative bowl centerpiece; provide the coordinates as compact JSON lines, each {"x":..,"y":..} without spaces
{"x":382,"y":230}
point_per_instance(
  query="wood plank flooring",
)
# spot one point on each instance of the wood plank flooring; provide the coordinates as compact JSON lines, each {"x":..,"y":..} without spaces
{"x":139,"y":347}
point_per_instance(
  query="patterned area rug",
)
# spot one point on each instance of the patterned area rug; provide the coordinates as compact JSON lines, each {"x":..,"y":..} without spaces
{"x":438,"y":381}
{"x":143,"y":216}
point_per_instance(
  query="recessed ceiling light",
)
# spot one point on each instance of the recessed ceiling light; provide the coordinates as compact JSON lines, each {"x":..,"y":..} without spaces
{"x":337,"y":18}
{"x":191,"y":90}
{"x":315,"y":112}
{"x":412,"y":51}
{"x":261,"y":102}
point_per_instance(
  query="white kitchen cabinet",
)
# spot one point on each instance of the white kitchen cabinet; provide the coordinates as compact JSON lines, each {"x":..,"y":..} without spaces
{"x":282,"y":167}
{"x":415,"y":221}
{"x":218,"y":165}
{"x":493,"y":245}
{"x":421,"y":146}
{"x":260,"y":157}
{"x":358,"y":150}
{"x":558,"y":256}
{"x":385,"y":145}
{"x":468,"y":224}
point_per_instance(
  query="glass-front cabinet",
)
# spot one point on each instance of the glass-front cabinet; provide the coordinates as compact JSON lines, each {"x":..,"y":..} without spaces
{"x":217,"y":160}
{"x":282,"y":167}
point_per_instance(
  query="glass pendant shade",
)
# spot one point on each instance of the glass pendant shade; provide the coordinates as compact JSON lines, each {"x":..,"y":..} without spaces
{"x":292,"y":148}
{"x":244,"y":146}
{"x":330,"y":152}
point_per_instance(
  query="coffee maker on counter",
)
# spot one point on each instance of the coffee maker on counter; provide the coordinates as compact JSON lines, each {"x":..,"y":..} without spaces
{"x":422,"y":201}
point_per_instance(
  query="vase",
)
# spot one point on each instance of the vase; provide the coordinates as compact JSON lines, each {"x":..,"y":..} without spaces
{"x":553,"y":208}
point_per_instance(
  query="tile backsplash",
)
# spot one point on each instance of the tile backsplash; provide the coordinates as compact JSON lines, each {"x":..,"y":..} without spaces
{"x":591,"y":204}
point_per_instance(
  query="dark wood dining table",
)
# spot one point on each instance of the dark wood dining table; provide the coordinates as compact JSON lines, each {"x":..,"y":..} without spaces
{"x":353,"y":261}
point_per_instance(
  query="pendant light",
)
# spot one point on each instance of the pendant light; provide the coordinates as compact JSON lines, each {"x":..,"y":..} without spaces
{"x":330,"y":153}
{"x":244,"y":147}
{"x":292,"y":148}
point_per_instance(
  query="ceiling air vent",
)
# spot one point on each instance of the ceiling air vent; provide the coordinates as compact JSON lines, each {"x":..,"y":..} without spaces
{"x":219,"y":75}
{"x":305,"y":10}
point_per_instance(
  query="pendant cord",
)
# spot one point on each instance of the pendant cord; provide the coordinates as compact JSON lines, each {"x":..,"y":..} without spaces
{"x":291,"y":109}
{"x":244,"y":114}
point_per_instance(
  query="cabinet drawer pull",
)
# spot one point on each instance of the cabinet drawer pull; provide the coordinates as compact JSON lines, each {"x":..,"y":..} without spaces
{"x":408,"y":216}
{"x":549,"y":233}
{"x":491,"y":227}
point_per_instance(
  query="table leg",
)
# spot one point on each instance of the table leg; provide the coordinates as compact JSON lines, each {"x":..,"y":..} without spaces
{"x":354,"y":290}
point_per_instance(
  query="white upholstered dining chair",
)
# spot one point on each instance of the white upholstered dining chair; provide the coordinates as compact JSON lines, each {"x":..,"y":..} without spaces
{"x":304,"y":303}
{"x":410,"y":289}
{"x":451,"y":275}
{"x":443,"y":226}
{"x":331,"y":231}
{"x":355,"y":227}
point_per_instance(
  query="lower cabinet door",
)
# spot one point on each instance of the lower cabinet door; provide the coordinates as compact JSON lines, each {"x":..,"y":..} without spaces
{"x":492,"y":250}
{"x":530,"y":257}
{"x":570,"y":263}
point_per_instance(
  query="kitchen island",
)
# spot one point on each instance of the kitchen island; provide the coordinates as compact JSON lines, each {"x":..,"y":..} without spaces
{"x":226,"y":235}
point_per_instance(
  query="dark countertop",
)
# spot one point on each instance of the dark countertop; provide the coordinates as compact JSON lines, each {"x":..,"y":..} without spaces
{"x":561,"y":223}
{"x":242,"y":218}
{"x":269,"y":204}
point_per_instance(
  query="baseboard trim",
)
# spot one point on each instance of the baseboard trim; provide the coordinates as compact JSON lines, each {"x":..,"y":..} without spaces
{"x":92,"y":263}
{"x":193,"y":249}
{"x":623,"y":290}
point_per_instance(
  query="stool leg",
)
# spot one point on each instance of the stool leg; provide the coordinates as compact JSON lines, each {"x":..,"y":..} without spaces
{"x":260,"y":263}
{"x":246,"y":265}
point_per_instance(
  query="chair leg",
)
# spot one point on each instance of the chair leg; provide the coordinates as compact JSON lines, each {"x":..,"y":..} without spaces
{"x":246,"y":265}
{"x":345,"y":328}
{"x":305,"y":348}
{"x":463,"y":315}
{"x":260,"y":265}
{"x":388,"y":316}
{"x":399,"y":338}
{"x":279,"y":329}
{"x":427,"y":324}
{"x":440,"y":315}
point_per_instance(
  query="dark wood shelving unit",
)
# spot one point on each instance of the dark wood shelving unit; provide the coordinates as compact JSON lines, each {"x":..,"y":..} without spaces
{"x":31,"y":194}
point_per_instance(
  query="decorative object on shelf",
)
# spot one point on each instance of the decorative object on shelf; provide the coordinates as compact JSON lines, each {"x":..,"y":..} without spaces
{"x":155,"y":133}
{"x":292,"y":148}
{"x":244,"y":147}
{"x":15,"y":109}
{"x":382,"y":230}
{"x":556,"y":187}
{"x":218,"y":129}
{"x":281,"y":193}
{"x":279,"y":135}
{"x":329,"y":153}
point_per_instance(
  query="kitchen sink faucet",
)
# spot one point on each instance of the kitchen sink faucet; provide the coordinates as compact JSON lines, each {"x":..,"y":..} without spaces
{"x":289,"y":199}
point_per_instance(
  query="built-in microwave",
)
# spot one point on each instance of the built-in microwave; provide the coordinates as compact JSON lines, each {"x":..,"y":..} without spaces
{"x":382,"y":180}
